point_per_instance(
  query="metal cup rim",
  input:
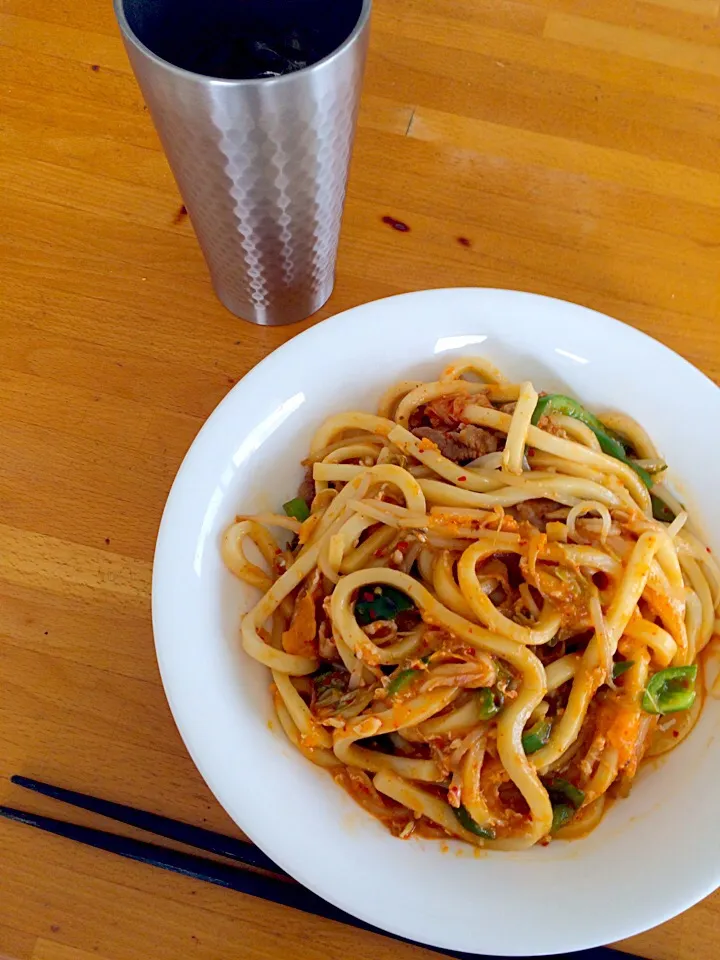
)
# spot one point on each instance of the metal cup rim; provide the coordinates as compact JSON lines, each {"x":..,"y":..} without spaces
{"x":130,"y":37}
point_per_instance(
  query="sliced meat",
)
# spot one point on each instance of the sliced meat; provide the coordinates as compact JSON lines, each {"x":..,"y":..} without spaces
{"x":448,"y":411}
{"x":416,"y":418}
{"x":307,"y":487}
{"x":478,"y":440}
{"x":535,"y":511}
{"x":407,"y":620}
{"x":462,"y":445}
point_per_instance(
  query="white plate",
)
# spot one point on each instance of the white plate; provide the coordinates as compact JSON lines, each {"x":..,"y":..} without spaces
{"x":654,"y":855}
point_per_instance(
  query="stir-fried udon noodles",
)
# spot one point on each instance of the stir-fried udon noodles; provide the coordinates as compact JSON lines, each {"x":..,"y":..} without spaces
{"x":483,"y":609}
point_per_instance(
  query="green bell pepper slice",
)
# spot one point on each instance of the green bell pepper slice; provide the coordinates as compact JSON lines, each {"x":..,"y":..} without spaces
{"x":380,"y":603}
{"x":472,"y":826}
{"x":402,"y":680}
{"x":670,"y":690}
{"x":491,"y":702}
{"x":537,"y":736}
{"x":297,"y":508}
{"x":562,"y":815}
{"x":609,"y":443}
{"x":661,"y":511}
{"x":561,"y":790}
{"x":620,"y":667}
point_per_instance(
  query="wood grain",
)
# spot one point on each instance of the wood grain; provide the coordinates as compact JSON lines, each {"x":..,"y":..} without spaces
{"x":572,"y":144}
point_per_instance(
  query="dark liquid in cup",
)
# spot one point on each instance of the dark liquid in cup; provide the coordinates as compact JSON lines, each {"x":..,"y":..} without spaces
{"x":243,"y":39}
{"x":262,"y":52}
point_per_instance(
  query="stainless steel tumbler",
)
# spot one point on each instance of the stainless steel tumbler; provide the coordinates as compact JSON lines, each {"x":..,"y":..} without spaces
{"x":260,"y":148}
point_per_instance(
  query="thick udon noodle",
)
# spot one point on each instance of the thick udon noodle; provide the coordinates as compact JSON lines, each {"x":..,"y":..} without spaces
{"x":526,"y":575}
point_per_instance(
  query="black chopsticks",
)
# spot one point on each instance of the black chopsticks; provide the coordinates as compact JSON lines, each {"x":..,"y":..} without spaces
{"x":199,"y":837}
{"x":273,"y":884}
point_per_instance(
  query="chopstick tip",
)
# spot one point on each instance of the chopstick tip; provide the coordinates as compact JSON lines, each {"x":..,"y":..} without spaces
{"x":20,"y":781}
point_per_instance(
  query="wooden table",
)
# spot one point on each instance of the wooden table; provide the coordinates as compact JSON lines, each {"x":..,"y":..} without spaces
{"x":568,"y":147}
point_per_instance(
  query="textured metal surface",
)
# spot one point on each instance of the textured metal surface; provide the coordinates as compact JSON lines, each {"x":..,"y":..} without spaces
{"x":262,"y":168}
